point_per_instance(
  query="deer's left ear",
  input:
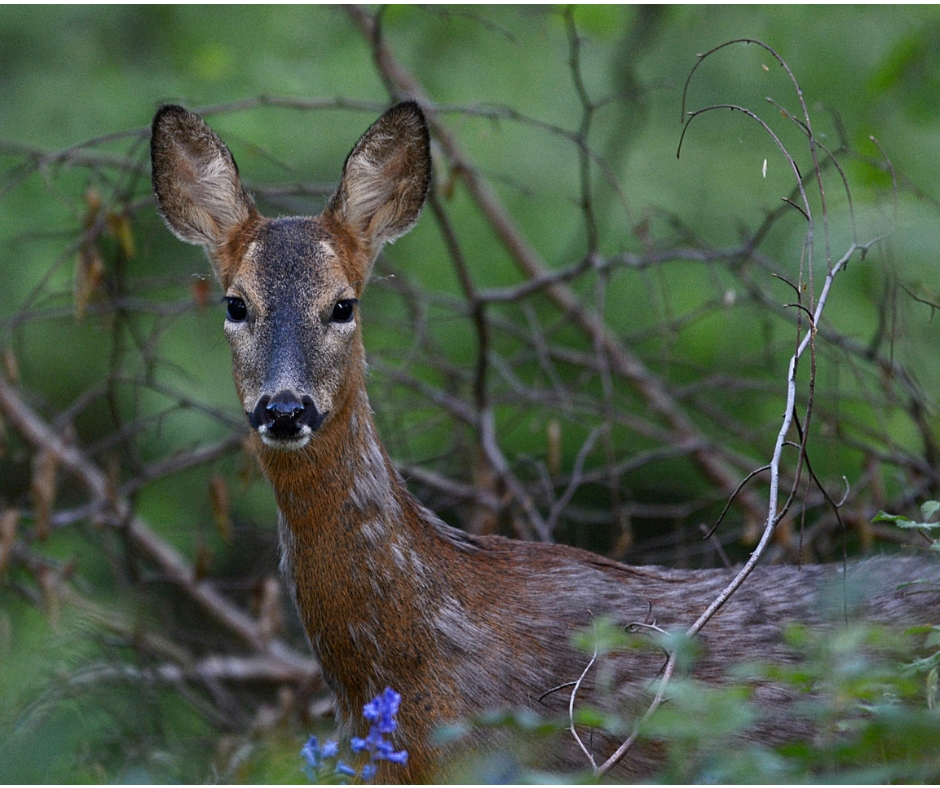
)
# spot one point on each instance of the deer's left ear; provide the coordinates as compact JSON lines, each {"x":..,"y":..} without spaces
{"x":386,"y":178}
{"x":195,"y":180}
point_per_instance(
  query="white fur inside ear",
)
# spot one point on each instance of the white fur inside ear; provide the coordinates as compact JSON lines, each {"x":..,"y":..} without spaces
{"x":216,"y":199}
{"x":195,"y":180}
{"x":367,"y":188}
{"x":371,"y":203}
{"x":386,"y":177}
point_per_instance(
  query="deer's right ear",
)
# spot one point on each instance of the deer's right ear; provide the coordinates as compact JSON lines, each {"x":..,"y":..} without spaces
{"x":195,"y":180}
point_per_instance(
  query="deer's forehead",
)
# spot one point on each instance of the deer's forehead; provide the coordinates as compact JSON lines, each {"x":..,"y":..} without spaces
{"x":291,"y":257}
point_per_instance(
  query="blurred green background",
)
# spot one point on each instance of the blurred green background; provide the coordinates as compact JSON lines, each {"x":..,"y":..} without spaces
{"x":136,"y":370}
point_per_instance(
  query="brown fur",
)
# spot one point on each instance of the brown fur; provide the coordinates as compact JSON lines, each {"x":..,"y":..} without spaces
{"x":388,"y":594}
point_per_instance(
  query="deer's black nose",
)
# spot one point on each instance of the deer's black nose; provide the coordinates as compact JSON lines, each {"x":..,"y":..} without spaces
{"x":285,"y":416}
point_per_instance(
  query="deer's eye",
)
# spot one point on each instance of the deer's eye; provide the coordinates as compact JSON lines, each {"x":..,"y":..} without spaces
{"x":343,"y":311}
{"x":236,"y":310}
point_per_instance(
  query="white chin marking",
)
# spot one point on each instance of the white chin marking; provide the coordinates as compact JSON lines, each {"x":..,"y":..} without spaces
{"x":282,"y":444}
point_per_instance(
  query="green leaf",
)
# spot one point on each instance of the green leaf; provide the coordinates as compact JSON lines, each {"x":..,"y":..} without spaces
{"x":604,"y":637}
{"x":929,"y":510}
{"x":884,"y":517}
{"x":590,"y":717}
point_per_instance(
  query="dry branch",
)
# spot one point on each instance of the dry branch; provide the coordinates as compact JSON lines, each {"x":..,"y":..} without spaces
{"x":402,"y":84}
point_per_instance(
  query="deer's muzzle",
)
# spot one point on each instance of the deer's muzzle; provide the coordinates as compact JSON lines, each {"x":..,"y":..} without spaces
{"x":286,"y":420}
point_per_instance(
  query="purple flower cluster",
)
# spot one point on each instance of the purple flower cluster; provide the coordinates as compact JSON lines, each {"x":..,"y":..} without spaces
{"x":380,"y":712}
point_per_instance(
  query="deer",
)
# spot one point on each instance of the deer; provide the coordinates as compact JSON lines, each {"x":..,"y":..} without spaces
{"x":387,"y":593}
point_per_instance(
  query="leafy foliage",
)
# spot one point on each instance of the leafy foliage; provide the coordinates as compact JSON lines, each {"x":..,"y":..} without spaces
{"x":928,"y":511}
{"x":872,"y":714}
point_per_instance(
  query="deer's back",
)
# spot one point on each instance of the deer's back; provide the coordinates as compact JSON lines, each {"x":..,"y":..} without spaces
{"x":507,"y":632}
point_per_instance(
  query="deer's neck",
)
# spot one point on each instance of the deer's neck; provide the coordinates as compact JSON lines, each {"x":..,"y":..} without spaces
{"x":357,"y":549}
